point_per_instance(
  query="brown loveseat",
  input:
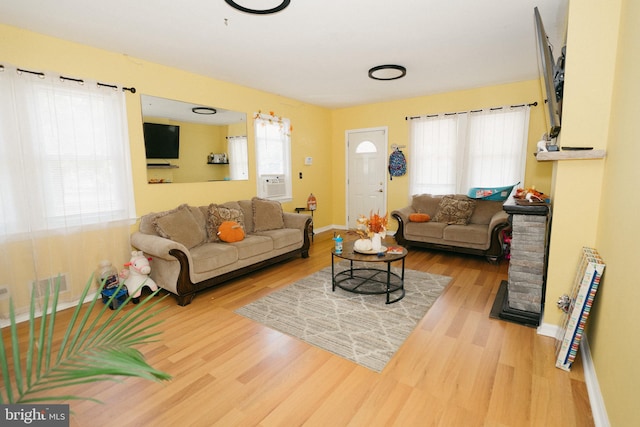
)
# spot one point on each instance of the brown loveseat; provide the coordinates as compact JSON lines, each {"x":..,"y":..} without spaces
{"x":456,"y":223}
{"x":187,"y":255}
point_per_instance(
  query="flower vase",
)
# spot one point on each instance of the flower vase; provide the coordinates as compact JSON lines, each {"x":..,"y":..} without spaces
{"x":376,"y":242}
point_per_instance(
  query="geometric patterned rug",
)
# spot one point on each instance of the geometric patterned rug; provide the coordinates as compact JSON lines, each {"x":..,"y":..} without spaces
{"x":360,"y":328}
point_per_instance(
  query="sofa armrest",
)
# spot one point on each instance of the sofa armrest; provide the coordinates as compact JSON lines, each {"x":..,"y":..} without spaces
{"x":402,"y":216}
{"x":156,"y":246}
{"x":404,"y":213}
{"x":500,"y":217}
{"x":295,"y":220}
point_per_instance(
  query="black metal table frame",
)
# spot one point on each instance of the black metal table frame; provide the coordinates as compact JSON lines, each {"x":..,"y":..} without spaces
{"x":387,"y":289}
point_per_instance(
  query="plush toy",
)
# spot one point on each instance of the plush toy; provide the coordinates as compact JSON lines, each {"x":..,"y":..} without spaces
{"x":230,"y":231}
{"x":138,"y":276}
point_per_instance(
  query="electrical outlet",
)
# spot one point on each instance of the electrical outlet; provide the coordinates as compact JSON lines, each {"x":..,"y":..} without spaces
{"x":300,"y":175}
{"x":308,"y":161}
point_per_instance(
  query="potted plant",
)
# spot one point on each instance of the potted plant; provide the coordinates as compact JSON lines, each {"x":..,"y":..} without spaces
{"x":93,"y":348}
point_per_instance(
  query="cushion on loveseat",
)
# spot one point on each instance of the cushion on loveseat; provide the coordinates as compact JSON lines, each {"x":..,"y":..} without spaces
{"x":426,"y":203}
{"x":484,"y":211}
{"x":455,"y":210}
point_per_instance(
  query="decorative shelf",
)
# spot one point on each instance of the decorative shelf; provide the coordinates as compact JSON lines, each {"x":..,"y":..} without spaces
{"x":162,"y":166}
{"x":545,"y":156}
{"x":217,"y":163}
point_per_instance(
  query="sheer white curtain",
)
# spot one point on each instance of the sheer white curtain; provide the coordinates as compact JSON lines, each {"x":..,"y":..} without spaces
{"x":66,"y":193}
{"x":273,"y":153}
{"x":238,"y":167}
{"x":451,"y":153}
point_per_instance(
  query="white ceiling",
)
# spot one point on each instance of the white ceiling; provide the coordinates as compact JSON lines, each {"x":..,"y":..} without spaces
{"x":317,"y":52}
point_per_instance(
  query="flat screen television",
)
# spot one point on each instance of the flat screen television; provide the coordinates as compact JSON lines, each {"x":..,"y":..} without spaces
{"x":161,"y":141}
{"x":552,"y":77}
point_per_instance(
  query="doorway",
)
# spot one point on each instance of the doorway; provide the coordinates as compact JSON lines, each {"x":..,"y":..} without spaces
{"x":366,"y":173}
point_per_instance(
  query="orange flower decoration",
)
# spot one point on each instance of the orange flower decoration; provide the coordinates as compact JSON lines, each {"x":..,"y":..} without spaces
{"x":375,"y":223}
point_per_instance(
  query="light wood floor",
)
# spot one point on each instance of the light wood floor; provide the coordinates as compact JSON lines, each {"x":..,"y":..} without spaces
{"x":458,"y":368}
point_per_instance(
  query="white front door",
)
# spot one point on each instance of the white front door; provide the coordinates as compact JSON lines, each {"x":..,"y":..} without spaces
{"x":366,"y":173}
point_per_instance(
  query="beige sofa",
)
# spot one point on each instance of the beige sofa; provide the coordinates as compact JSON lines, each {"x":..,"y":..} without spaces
{"x":457,"y":223}
{"x":187,"y":255}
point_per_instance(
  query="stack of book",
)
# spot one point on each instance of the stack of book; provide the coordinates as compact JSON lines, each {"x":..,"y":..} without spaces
{"x":581,"y":300}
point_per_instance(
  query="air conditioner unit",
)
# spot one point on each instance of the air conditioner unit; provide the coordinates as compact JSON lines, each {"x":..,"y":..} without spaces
{"x":273,"y":185}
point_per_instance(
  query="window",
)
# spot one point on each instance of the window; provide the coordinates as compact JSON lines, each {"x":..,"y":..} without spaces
{"x":238,"y":166}
{"x":64,"y":154}
{"x":451,"y":153}
{"x":273,"y":157}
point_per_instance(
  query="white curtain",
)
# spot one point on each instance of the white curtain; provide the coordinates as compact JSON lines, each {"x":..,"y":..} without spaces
{"x":451,"y":153}
{"x":273,"y":152}
{"x":66,"y":193}
{"x":238,"y":167}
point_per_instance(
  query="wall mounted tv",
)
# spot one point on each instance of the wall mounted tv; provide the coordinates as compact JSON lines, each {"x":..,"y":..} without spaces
{"x":552,"y":77}
{"x":161,"y":141}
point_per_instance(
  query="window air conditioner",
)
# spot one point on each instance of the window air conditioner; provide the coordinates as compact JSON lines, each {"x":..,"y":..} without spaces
{"x":273,"y":185}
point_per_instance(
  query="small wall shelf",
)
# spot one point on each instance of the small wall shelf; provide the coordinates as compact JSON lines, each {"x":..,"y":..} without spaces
{"x":546,"y":156}
{"x":162,"y":166}
{"x":217,"y":163}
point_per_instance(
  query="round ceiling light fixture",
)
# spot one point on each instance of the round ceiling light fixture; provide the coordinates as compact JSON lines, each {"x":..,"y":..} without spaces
{"x":387,"y":72}
{"x":204,"y":110}
{"x":275,"y":9}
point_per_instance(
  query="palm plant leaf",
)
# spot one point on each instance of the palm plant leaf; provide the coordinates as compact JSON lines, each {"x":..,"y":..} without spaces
{"x":95,"y":347}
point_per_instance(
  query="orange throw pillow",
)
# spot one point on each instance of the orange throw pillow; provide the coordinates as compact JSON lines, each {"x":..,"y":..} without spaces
{"x":419,"y":217}
{"x":230,"y":231}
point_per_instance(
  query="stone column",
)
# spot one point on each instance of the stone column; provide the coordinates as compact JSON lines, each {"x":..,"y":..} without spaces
{"x":522,"y":296}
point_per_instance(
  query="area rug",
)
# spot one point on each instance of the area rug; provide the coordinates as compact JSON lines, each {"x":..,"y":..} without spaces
{"x":360,"y":328}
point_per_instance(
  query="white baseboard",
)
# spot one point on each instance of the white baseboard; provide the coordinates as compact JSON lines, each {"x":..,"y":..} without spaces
{"x":598,"y":409}
{"x":23,"y":317}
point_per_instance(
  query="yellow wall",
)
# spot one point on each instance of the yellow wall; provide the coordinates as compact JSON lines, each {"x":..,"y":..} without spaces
{"x":392,"y":115}
{"x":310,"y":137}
{"x":577,"y":187}
{"x":615,"y":318}
{"x":594,"y":202}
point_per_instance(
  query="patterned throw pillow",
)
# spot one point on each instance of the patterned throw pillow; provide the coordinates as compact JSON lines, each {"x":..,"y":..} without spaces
{"x":454,"y":210}
{"x":218,"y":215}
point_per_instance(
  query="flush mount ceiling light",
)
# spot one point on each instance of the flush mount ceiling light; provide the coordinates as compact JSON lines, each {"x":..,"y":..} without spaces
{"x":387,"y":72}
{"x":278,"y":8}
{"x":204,"y":110}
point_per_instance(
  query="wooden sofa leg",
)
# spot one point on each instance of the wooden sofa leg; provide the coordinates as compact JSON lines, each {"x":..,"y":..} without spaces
{"x":185,"y":299}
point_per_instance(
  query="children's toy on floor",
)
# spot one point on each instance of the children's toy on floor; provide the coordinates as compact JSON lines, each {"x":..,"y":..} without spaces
{"x":108,"y":275}
{"x":118,"y":300}
{"x":138,"y":275}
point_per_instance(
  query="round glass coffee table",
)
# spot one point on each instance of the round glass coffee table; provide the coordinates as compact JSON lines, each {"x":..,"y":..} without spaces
{"x":368,"y":278}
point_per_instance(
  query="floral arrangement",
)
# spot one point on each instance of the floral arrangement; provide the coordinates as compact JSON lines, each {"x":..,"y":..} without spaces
{"x":368,"y":226}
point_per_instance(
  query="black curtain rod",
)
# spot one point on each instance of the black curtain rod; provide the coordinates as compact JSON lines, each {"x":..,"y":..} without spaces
{"x":41,"y":75}
{"x":533,"y":104}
